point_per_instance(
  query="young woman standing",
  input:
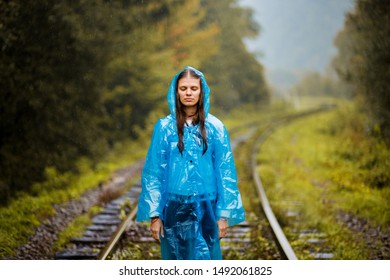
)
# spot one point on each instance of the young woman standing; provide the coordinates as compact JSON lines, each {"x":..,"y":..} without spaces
{"x":189,"y":181}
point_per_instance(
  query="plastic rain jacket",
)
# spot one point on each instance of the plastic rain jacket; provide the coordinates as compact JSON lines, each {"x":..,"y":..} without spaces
{"x":191,"y":191}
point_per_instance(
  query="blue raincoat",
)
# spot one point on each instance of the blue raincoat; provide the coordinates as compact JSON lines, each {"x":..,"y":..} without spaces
{"x":191,"y":191}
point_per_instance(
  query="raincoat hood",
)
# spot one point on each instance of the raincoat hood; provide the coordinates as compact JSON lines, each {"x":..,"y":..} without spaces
{"x":171,"y":96}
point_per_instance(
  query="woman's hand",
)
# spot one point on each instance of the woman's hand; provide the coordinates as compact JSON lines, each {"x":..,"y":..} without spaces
{"x":156,"y":227}
{"x":222,"y":227}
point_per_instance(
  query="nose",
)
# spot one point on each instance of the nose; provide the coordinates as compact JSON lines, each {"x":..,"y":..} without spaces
{"x":188,"y":91}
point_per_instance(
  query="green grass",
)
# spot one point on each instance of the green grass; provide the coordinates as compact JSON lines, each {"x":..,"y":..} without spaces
{"x":324,"y":165}
{"x":133,"y":251}
{"x":76,"y":228}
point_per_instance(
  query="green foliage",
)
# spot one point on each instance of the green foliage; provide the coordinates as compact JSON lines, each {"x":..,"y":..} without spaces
{"x":363,"y":59}
{"x":370,"y":154}
{"x":53,"y":180}
{"x":235,"y":75}
{"x":49,"y":105}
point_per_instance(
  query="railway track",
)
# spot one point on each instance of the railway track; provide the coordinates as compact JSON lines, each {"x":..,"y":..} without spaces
{"x":115,"y":227}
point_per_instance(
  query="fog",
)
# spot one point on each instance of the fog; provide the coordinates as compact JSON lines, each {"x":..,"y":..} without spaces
{"x":296,"y":36}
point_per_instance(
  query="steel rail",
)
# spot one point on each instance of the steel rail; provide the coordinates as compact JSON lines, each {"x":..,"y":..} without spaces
{"x":278,"y":232}
{"x":117,"y":234}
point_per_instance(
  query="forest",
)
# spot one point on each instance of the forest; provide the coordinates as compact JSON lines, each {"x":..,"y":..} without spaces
{"x":77,"y":77}
{"x":363,"y":61}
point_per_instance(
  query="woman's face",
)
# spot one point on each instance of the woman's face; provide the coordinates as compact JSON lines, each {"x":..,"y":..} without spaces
{"x":189,"y":89}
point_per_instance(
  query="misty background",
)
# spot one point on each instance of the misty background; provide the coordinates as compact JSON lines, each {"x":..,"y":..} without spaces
{"x":295,"y":36}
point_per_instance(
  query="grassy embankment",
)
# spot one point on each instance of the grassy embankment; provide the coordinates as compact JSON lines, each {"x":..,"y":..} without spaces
{"x":329,"y":166}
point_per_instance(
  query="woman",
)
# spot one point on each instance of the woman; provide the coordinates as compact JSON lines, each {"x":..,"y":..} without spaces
{"x":189,"y":182}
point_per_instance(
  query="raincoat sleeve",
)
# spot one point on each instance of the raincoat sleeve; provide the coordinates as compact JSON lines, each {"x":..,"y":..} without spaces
{"x":151,"y":202}
{"x":229,"y":203}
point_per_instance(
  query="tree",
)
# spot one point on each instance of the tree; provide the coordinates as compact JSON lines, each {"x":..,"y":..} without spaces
{"x":364,"y":58}
{"x":235,"y":74}
{"x":49,"y":104}
{"x":157,"y":38}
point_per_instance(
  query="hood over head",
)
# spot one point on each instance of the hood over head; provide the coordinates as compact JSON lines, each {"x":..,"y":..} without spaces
{"x":171,"y":96}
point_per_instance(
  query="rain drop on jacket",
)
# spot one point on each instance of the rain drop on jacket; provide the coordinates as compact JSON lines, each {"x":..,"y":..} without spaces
{"x":191,"y":191}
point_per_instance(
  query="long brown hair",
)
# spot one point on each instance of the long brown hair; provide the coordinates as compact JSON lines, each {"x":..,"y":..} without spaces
{"x":199,"y":115}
